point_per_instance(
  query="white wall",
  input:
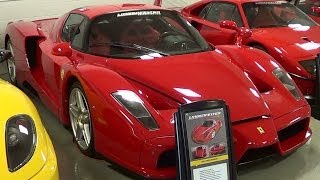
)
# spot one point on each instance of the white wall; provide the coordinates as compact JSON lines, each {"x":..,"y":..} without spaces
{"x":13,"y":10}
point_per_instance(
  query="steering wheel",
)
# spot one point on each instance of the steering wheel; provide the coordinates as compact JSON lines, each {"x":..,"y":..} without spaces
{"x":161,"y":43}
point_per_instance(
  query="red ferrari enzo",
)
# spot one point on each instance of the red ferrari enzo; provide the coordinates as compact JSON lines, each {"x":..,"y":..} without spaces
{"x":206,"y":132}
{"x":200,"y":152}
{"x":217,"y":149}
{"x":310,"y":7}
{"x":278,"y":28}
{"x":118,"y":73}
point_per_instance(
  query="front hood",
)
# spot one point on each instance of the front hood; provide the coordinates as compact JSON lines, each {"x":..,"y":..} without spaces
{"x":195,"y":77}
{"x":303,"y":40}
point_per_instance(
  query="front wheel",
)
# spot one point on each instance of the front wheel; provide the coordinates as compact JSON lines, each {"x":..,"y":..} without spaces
{"x":80,"y":119}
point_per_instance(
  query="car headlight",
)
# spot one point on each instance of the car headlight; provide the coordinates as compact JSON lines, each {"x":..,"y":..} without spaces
{"x":309,"y":66}
{"x":20,"y":141}
{"x":134,"y":105}
{"x":287,"y":81}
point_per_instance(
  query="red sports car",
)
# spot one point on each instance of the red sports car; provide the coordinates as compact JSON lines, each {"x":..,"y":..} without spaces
{"x":200,"y":152}
{"x":278,"y":28}
{"x":204,"y":133}
{"x":118,"y":73}
{"x":310,"y":7}
{"x":217,"y":149}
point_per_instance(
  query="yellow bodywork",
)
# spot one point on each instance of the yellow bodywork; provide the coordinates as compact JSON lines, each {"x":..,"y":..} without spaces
{"x":43,"y":163}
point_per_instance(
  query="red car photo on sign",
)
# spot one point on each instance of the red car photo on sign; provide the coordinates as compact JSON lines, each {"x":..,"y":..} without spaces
{"x":206,"y":132}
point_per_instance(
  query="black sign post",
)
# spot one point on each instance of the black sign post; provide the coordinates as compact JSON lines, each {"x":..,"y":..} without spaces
{"x":204,"y":142}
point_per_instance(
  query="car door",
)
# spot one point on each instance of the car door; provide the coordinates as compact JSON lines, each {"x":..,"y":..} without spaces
{"x":52,"y":64}
{"x":212,"y":14}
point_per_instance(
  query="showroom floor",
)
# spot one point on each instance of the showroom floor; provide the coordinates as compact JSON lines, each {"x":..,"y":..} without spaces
{"x":304,"y":164}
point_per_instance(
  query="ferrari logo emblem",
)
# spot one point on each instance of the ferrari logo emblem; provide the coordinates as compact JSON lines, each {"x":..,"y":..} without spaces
{"x":261,"y":130}
{"x":62,"y":74}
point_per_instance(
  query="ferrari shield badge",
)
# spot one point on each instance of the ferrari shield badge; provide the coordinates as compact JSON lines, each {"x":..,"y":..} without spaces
{"x":62,"y":74}
{"x":261,"y":130}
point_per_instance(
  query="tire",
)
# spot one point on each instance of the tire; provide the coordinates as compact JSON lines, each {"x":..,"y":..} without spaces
{"x":11,"y":65}
{"x":80,"y":120}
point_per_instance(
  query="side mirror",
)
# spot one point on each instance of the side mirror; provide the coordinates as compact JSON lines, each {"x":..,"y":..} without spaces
{"x":62,"y":49}
{"x":243,"y":34}
{"x":228,"y":25}
{"x":4,"y":55}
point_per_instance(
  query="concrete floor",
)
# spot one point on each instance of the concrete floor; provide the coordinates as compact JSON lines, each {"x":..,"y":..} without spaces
{"x":304,"y":164}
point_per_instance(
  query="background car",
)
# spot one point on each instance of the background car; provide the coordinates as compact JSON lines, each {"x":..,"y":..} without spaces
{"x":117,"y":74}
{"x":26,"y":149}
{"x":205,"y":132}
{"x":200,"y":152}
{"x":278,"y":28}
{"x":310,"y":7}
{"x":218,"y":148}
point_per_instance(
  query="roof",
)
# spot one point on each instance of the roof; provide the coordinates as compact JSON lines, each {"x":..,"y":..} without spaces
{"x":245,"y":1}
{"x":93,"y":11}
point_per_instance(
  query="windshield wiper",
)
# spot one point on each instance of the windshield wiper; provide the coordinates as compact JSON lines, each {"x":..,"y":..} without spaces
{"x":131,"y":46}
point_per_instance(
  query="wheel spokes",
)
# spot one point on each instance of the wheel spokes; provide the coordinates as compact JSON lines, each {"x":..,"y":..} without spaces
{"x":79,"y":132}
{"x":79,"y":100}
{"x":75,"y":111}
{"x":86,"y":134}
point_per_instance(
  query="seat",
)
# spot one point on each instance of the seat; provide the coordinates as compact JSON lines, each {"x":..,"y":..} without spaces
{"x":98,"y":41}
{"x":142,"y":34}
{"x":263,"y":17}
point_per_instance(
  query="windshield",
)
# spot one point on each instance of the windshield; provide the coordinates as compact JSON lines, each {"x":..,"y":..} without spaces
{"x":275,"y":14}
{"x":143,"y":34}
{"x":207,"y":123}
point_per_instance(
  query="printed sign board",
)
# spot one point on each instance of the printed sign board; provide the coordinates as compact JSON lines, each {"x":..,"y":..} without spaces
{"x":204,"y":142}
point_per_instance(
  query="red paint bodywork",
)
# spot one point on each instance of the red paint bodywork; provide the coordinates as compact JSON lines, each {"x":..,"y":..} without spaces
{"x":217,"y":149}
{"x":284,"y":44}
{"x":203,"y":134}
{"x":241,"y":76}
{"x":200,"y":152}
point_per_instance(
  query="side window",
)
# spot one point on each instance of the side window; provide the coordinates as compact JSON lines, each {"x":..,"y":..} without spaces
{"x":205,"y":10}
{"x":78,"y":40}
{"x":70,"y":26}
{"x":224,"y":11}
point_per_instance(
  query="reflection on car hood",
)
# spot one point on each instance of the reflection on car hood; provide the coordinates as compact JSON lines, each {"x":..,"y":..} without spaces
{"x":194,"y":77}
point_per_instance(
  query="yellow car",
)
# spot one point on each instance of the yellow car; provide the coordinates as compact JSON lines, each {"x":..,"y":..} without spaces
{"x":26,"y":151}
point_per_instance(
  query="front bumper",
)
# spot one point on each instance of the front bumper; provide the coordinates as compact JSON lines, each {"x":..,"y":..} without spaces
{"x":50,"y":169}
{"x":282,"y":135}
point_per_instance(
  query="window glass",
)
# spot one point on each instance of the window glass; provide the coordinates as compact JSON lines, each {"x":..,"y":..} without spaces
{"x":70,"y":26}
{"x":224,"y":11}
{"x":143,"y":34}
{"x":275,"y":14}
{"x":204,"y":11}
{"x":78,"y":40}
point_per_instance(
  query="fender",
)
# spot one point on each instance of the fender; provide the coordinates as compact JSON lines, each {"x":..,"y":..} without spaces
{"x":253,"y":61}
{"x":259,"y":67}
{"x":87,"y":76}
{"x":98,"y":84}
{"x":20,"y":31}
